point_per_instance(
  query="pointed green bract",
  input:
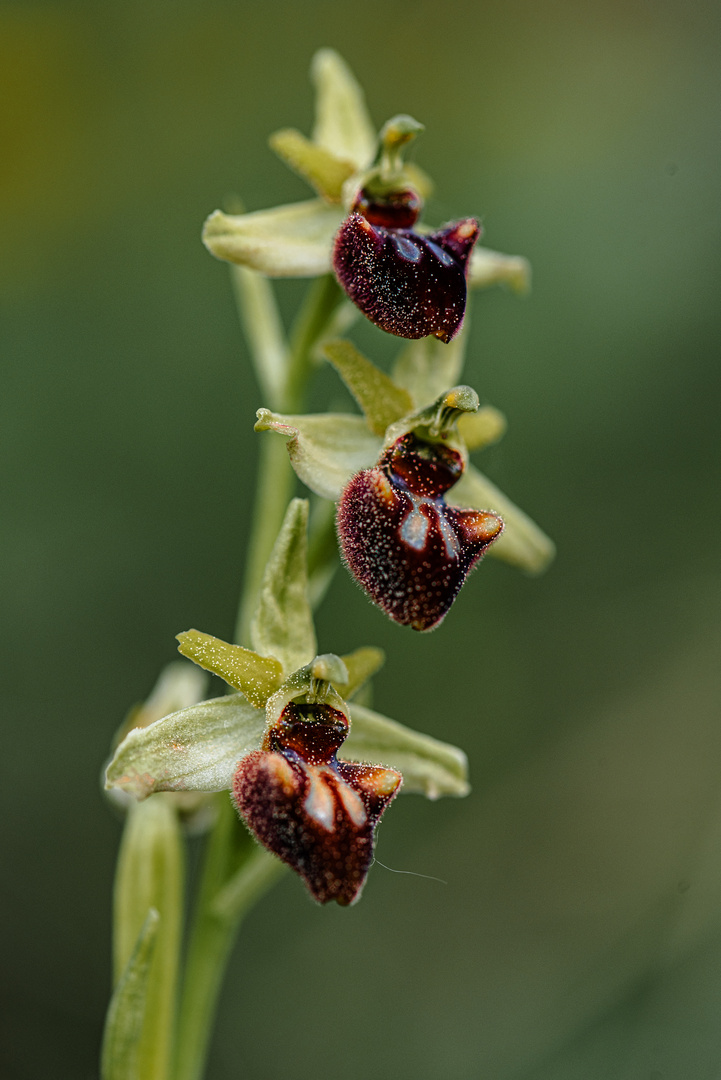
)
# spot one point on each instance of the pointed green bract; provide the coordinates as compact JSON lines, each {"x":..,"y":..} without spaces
{"x":126,"y":1012}
{"x":522,"y":543}
{"x":426,"y":367}
{"x":380,"y":399}
{"x":322,"y":169}
{"x":255,"y":676}
{"x":263,"y":330}
{"x":430,"y":767}
{"x":195,"y":749}
{"x":361,"y":664}
{"x":342,"y":124}
{"x":283,"y":623}
{"x":287,"y":241}
{"x":150,"y":876}
{"x":325,"y":449}
{"x":482,"y":428}
{"x":492,"y":268}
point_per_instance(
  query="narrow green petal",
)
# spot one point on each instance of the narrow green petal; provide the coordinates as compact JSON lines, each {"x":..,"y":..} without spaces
{"x":381,"y":400}
{"x":283,"y":623}
{"x":255,"y":676}
{"x":521,"y":543}
{"x":427,"y":367}
{"x":322,"y":169}
{"x":430,"y":767}
{"x":195,"y":749}
{"x":362,"y":664}
{"x":326,"y":449}
{"x":492,"y":268}
{"x":482,"y":428}
{"x":342,"y":124}
{"x":287,"y":241}
{"x":126,"y":1013}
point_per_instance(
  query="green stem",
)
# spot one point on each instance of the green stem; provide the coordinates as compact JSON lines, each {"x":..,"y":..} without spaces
{"x":236,"y":873}
{"x":320,"y":304}
{"x":236,"y":868}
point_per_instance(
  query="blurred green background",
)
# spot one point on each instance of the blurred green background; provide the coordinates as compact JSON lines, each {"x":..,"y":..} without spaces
{"x":578,"y":934}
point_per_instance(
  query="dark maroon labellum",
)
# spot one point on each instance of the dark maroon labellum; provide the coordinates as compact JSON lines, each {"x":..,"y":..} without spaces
{"x":407,"y":548}
{"x":319,"y":815}
{"x":407,"y":284}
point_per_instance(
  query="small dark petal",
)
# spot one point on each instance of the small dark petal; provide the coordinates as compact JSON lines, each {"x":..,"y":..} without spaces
{"x":458,"y":239}
{"x":317,"y":814}
{"x":407,"y":284}
{"x":397,"y":211}
{"x":406,"y":547}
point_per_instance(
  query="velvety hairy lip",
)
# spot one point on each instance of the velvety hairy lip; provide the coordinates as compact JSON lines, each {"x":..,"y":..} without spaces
{"x":407,"y":284}
{"x":405,"y":546}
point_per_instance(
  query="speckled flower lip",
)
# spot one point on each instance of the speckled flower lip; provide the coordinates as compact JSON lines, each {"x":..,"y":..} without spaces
{"x":316,"y":813}
{"x":408,"y":284}
{"x":406,"y":547}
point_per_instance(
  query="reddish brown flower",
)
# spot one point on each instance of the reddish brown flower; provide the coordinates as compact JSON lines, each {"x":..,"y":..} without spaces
{"x":316,"y":813}
{"x":407,"y":548}
{"x":408,"y":284}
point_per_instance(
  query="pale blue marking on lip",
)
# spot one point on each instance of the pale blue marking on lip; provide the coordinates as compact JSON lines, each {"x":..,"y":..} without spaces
{"x":414,"y":530}
{"x":442,"y":256}
{"x":407,"y":249}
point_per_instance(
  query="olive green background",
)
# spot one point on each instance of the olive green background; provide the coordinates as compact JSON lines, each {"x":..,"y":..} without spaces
{"x":577,"y":933}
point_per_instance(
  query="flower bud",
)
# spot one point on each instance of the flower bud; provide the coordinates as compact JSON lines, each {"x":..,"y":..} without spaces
{"x":316,"y":813}
{"x":407,"y":548}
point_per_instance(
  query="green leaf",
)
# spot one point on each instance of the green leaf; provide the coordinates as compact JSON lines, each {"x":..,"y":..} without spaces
{"x":255,"y":676}
{"x":150,"y":876}
{"x":381,"y":400}
{"x":342,"y":125}
{"x":283,"y":623}
{"x":521,"y":543}
{"x":261,"y":322}
{"x":361,"y":664}
{"x":126,"y":1012}
{"x":482,"y":428}
{"x":195,"y":749}
{"x":326,"y":449}
{"x":322,"y":169}
{"x":287,"y":241}
{"x":430,"y":767}
{"x":427,"y":367}
{"x":492,"y":268}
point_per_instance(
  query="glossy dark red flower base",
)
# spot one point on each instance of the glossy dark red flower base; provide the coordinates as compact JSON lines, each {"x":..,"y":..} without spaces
{"x":406,"y":547}
{"x":407,"y":284}
{"x":319,"y":815}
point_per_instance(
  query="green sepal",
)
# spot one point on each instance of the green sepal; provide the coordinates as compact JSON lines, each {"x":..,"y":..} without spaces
{"x":426,"y":367}
{"x":378,"y":396}
{"x":342,"y":124}
{"x":362,"y":664}
{"x":288,"y":241}
{"x":323,"y":170}
{"x":195,"y":749}
{"x":283,"y":622}
{"x":255,"y":676}
{"x":482,"y":428}
{"x":493,"y":268}
{"x":430,"y":767}
{"x":326,"y":449}
{"x":522,"y":543}
{"x":126,"y":1012}
{"x":150,"y":876}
